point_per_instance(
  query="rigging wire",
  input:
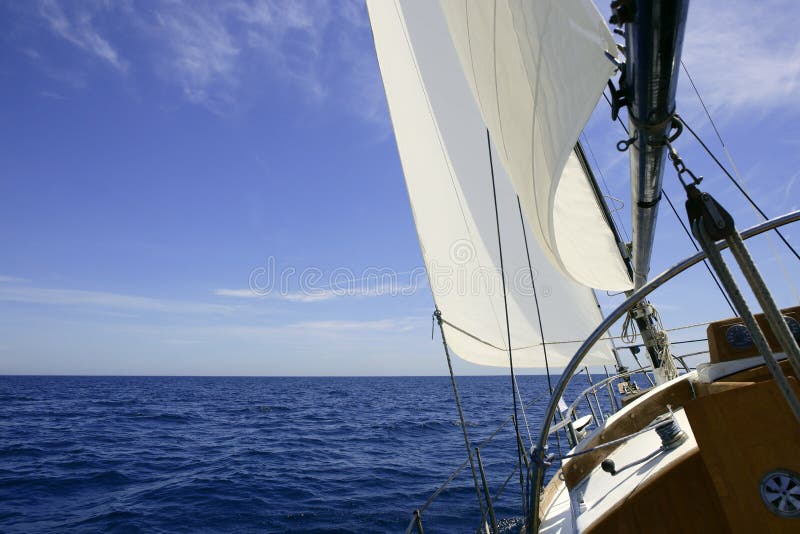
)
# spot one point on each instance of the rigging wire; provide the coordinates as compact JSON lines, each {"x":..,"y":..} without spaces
{"x":538,"y":312}
{"x":524,"y":415}
{"x":520,"y":452}
{"x":535,"y":297}
{"x":741,"y":189}
{"x":480,"y":445}
{"x":738,"y":182}
{"x":671,"y":342}
{"x":438,"y":315}
{"x":564,"y":342}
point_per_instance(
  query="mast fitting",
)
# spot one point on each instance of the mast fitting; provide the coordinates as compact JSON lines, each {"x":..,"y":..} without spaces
{"x":622,"y":12}
{"x":619,"y":95}
{"x":680,"y":167}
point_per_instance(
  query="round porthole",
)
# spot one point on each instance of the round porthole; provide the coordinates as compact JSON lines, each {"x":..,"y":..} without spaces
{"x":780,"y":491}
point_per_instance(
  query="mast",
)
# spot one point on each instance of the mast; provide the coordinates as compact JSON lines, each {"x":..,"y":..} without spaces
{"x":653,"y":41}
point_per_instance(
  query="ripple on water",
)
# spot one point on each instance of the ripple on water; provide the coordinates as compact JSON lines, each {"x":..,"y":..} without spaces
{"x":158,"y":454}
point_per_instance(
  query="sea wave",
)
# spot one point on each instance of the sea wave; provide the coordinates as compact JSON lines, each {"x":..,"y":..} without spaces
{"x":156,"y":454}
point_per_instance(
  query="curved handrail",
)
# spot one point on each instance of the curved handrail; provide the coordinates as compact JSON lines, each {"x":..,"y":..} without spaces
{"x":591,"y":389}
{"x":537,"y":455}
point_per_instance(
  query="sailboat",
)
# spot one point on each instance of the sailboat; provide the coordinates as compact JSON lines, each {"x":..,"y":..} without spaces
{"x":488,"y":100}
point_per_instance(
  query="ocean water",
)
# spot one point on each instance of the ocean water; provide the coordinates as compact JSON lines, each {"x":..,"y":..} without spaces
{"x":194,"y":454}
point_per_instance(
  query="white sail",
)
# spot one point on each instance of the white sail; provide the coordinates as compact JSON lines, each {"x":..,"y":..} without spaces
{"x":537,"y":70}
{"x":442,"y":142}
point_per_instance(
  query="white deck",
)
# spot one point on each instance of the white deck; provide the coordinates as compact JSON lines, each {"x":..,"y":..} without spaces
{"x":601,"y":491}
{"x":559,"y":516}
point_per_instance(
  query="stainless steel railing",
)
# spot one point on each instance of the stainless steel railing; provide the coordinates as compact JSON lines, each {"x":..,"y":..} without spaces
{"x":604,"y":384}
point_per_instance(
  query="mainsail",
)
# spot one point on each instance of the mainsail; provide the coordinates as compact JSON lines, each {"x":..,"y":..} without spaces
{"x":453,"y":174}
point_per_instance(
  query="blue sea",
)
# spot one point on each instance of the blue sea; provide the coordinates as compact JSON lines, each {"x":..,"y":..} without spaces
{"x":203,"y":454}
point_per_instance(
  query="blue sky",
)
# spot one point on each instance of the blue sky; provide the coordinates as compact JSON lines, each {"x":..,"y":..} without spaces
{"x":156,"y":157}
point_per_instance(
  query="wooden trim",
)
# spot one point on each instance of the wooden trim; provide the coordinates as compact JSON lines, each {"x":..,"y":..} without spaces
{"x":549,"y":494}
{"x":720,"y":351}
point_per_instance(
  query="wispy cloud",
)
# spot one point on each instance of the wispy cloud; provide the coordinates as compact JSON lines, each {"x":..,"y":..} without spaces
{"x":319,"y":296}
{"x":237,"y":293}
{"x":171,"y":341}
{"x":403,"y":324}
{"x":389,"y":289}
{"x":291,"y":36}
{"x":789,"y":185}
{"x":323,"y":294}
{"x":78,"y":28}
{"x":216,"y":51}
{"x":224,"y":56}
{"x":736,"y":63}
{"x":312,"y":285}
{"x":51,"y":95}
{"x":179,"y":334}
{"x":80,"y":298}
{"x":6,"y":279}
{"x":201,"y":54}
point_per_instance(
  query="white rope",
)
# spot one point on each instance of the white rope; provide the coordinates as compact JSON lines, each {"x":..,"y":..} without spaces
{"x":660,"y":338}
{"x":662,"y":342}
{"x":628,"y":329}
